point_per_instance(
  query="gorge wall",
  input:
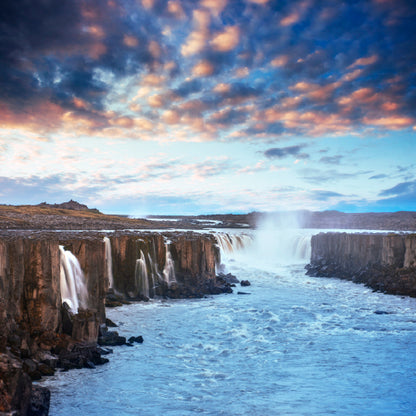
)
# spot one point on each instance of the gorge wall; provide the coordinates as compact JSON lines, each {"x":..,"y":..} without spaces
{"x":385,"y":262}
{"x":35,"y":326}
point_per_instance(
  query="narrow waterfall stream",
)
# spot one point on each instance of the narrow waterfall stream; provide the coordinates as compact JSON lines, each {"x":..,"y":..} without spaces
{"x":294,"y":345}
{"x":72,"y":281}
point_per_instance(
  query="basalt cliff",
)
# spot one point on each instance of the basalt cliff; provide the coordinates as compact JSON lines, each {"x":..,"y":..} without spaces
{"x":41,"y":327}
{"x":384,"y":262}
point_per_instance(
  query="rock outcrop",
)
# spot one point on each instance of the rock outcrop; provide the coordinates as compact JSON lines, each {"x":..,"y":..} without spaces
{"x":385,"y":262}
{"x":39,"y":332}
{"x":176,"y":265}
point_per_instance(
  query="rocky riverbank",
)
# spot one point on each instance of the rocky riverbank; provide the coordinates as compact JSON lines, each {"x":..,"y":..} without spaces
{"x":40,"y":333}
{"x":384,"y":262}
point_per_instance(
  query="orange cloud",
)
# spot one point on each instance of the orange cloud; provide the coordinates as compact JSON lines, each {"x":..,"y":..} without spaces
{"x":291,"y":19}
{"x":130,"y":41}
{"x":203,"y":69}
{"x":171,"y":117}
{"x":198,"y":38}
{"x":221,"y":88}
{"x":364,"y":61}
{"x":215,"y":6}
{"x":396,"y":122}
{"x":175,"y":8}
{"x":281,"y":60}
{"x":227,"y":40}
{"x":156,"y":101}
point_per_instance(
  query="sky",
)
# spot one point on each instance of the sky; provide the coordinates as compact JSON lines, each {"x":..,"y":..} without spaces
{"x":144,"y":107}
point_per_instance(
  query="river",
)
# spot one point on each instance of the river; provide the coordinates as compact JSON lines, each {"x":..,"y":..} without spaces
{"x":291,"y":345}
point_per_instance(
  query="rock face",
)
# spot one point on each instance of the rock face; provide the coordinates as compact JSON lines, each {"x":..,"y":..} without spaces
{"x":31,"y":311}
{"x":385,"y":262}
{"x":175,"y":265}
{"x":39,"y":333}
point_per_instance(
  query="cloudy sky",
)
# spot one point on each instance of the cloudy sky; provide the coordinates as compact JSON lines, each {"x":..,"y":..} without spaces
{"x":208,"y":106}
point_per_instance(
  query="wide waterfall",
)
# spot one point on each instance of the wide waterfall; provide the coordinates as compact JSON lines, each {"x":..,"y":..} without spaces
{"x":109,"y":262}
{"x":141,"y":276}
{"x":169,"y":269}
{"x":267,"y":246}
{"x":72,"y":280}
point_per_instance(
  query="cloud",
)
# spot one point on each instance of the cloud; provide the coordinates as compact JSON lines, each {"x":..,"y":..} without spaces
{"x":203,"y":69}
{"x":332,"y":160}
{"x":322,"y":195}
{"x":380,"y":176}
{"x":407,"y":189}
{"x":282,"y":152}
{"x":227,"y":40}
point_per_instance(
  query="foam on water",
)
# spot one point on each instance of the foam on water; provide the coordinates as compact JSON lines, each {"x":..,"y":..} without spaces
{"x":297,"y":345}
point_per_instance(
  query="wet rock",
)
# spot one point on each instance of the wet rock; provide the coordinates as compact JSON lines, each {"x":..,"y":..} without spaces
{"x":228,"y":278}
{"x":67,"y":319}
{"x":81,"y":356}
{"x":245,"y":283}
{"x":110,"y":323}
{"x":138,"y":339}
{"x":243,"y":293}
{"x":39,"y":401}
{"x":111,"y":339}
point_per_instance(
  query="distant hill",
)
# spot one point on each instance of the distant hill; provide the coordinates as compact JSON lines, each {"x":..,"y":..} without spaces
{"x":71,"y":204}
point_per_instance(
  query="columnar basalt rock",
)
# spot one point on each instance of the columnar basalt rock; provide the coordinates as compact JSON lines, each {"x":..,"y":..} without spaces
{"x":39,"y":332}
{"x":194,"y":257}
{"x":31,"y":311}
{"x":385,"y":262}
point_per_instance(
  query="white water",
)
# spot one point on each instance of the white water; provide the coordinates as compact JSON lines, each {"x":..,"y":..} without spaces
{"x":109,"y":262}
{"x":141,"y":276}
{"x":296,"y":345}
{"x":72,"y":281}
{"x":169,"y":269}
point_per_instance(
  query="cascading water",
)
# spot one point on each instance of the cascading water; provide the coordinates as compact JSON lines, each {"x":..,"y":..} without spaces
{"x":72,"y":280}
{"x":169,"y":269}
{"x":267,"y":246}
{"x":141,"y":276}
{"x":228,"y":243}
{"x":109,"y":262}
{"x":154,"y":274}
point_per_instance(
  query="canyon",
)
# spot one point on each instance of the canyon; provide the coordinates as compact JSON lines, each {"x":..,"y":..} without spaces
{"x":43,"y":329}
{"x":55,"y":284}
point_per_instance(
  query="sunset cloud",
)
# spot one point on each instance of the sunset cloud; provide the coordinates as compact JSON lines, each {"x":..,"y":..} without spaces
{"x":256,"y":79}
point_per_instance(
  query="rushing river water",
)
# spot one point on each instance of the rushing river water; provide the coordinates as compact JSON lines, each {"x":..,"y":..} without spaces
{"x":294,"y":345}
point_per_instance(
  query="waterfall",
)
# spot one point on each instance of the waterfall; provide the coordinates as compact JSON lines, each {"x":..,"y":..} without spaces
{"x":154,"y":274}
{"x":169,"y":269}
{"x":109,"y":262}
{"x":72,"y":280}
{"x":266,"y":246}
{"x":229,"y":243}
{"x":141,"y":276}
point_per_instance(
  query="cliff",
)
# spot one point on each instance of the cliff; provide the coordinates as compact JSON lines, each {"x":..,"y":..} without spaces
{"x":385,"y":262}
{"x":39,"y":333}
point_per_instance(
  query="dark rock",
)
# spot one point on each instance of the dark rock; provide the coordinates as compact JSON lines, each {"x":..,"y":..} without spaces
{"x":81,"y":356}
{"x":245,"y":283}
{"x":67,"y":319}
{"x":104,"y":351}
{"x":111,"y":339}
{"x":39,"y":401}
{"x":228,"y":278}
{"x":243,"y":293}
{"x":382,"y":313}
{"x":138,"y":339}
{"x":110,"y":323}
{"x":45,"y":370}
